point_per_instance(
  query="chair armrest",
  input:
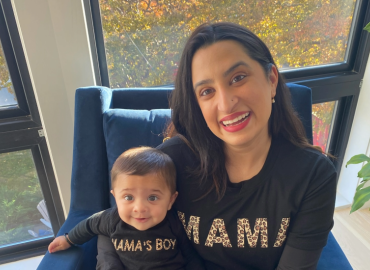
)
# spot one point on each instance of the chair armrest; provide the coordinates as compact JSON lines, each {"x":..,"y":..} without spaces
{"x":80,"y":257}
{"x":332,"y":256}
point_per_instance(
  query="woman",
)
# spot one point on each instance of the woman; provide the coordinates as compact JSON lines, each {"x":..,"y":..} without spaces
{"x":253,"y":193}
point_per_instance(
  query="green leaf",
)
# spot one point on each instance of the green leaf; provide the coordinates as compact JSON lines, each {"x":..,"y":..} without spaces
{"x":361,"y":196}
{"x":360,"y":186}
{"x":367,"y":27}
{"x":365,"y":179}
{"x":358,"y":159}
{"x":365,"y":171}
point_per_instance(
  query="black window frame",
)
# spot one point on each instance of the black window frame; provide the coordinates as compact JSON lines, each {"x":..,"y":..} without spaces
{"x":332,"y":82}
{"x":20,"y":129}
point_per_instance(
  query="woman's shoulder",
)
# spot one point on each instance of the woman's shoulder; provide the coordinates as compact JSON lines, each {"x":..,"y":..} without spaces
{"x":179,"y":150}
{"x":171,"y":142}
{"x":304,"y":158}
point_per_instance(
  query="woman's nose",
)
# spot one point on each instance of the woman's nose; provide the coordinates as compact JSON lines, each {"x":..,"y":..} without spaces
{"x":226,"y":100}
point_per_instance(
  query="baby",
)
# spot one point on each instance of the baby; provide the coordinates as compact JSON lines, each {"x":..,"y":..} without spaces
{"x":144,"y":233}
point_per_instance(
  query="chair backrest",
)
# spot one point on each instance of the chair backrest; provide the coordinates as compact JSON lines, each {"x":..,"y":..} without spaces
{"x":108,"y":122}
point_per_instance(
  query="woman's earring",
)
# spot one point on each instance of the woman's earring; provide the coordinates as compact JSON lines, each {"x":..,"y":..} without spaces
{"x":273,"y":100}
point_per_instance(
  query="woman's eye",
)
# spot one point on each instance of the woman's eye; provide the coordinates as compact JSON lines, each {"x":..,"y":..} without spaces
{"x":152,"y":198}
{"x":128,"y":198}
{"x":206,"y":92}
{"x":238,"y":78}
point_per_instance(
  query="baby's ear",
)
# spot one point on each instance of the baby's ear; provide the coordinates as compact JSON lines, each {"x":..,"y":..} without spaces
{"x":172,"y":200}
{"x":112,"y":191}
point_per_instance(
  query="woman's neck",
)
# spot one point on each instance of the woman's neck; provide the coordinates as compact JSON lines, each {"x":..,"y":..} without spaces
{"x":244,"y":162}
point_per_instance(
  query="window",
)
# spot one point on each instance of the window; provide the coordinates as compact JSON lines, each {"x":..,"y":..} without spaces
{"x":30,"y":206}
{"x":319,"y":44}
{"x":322,"y":119}
{"x":21,"y":200}
{"x":7,"y":95}
{"x":144,"y":39}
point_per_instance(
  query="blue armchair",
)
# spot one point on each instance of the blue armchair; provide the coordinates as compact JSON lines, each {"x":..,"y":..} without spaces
{"x":110,"y":121}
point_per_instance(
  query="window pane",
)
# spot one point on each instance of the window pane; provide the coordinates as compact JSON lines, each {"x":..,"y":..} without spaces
{"x":322,"y":118}
{"x":23,"y":214}
{"x":7,"y":95}
{"x":144,"y":39}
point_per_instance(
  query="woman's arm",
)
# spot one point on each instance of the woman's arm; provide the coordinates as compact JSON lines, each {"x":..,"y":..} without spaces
{"x":310,"y":227}
{"x":294,"y":258}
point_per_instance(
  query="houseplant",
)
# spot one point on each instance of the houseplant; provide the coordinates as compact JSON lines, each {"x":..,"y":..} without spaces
{"x":362,"y":194}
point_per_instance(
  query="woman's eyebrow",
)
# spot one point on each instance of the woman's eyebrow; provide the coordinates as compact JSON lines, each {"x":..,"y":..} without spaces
{"x":202,"y":82}
{"x":240,"y":63}
{"x":227,"y":72}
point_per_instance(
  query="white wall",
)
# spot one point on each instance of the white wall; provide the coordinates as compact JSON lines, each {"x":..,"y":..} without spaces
{"x":55,"y":41}
{"x":358,"y":143}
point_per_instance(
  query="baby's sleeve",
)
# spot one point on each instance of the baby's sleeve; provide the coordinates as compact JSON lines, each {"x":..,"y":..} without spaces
{"x":97,"y":224}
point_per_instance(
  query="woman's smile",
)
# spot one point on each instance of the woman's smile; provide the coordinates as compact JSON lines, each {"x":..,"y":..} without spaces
{"x":237,"y":121}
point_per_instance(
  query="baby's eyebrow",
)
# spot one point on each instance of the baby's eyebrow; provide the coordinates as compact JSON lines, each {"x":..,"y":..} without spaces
{"x":157,"y":190}
{"x":125,"y":189}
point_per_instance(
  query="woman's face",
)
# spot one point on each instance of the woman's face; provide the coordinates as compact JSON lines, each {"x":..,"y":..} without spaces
{"x":233,"y":92}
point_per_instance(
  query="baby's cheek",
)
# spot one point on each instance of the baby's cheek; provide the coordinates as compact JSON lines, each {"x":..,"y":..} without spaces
{"x":123,"y":214}
{"x":159,"y":213}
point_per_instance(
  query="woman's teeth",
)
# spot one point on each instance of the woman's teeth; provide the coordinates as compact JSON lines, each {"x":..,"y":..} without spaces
{"x":237,"y":119}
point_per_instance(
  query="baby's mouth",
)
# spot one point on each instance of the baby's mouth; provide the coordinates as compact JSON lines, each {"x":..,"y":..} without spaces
{"x":141,"y":219}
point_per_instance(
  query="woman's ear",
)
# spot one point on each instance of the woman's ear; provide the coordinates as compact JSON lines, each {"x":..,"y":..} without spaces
{"x":274,"y":79}
{"x":172,"y":200}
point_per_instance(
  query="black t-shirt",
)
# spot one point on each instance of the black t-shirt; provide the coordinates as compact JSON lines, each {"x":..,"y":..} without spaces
{"x":164,"y":246}
{"x":290,"y":202}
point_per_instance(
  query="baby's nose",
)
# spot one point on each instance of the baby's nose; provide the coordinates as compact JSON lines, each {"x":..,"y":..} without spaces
{"x":140,"y":207}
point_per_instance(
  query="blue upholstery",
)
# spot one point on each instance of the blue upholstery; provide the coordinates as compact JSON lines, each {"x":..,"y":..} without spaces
{"x":124,"y":129}
{"x":107,"y":122}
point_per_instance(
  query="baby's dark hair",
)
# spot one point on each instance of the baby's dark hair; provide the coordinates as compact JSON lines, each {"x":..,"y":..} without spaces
{"x":144,"y":160}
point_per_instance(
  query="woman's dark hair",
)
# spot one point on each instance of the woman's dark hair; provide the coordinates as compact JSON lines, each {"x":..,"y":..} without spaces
{"x":188,"y":120}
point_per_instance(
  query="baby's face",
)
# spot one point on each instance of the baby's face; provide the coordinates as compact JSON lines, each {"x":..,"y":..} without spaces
{"x":142,"y":201}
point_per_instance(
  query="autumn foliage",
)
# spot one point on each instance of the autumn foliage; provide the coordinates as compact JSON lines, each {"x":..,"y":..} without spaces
{"x":5,"y":81}
{"x":144,"y":39}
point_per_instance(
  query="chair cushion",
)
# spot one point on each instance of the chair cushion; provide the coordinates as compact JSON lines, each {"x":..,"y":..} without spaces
{"x":124,"y":129}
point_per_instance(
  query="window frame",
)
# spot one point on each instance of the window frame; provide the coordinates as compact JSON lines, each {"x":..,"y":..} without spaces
{"x":25,"y":115}
{"x":331,"y":82}
{"x":20,"y":129}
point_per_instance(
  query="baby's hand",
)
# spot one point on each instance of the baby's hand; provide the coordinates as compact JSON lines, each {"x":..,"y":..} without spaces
{"x":59,"y":243}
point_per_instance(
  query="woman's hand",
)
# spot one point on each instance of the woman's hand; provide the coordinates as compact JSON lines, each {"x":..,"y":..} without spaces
{"x":59,"y":243}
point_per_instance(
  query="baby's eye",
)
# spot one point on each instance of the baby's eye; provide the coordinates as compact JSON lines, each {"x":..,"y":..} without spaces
{"x":152,"y":198}
{"x":238,"y":78}
{"x":206,"y":92}
{"x":129,"y":197}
